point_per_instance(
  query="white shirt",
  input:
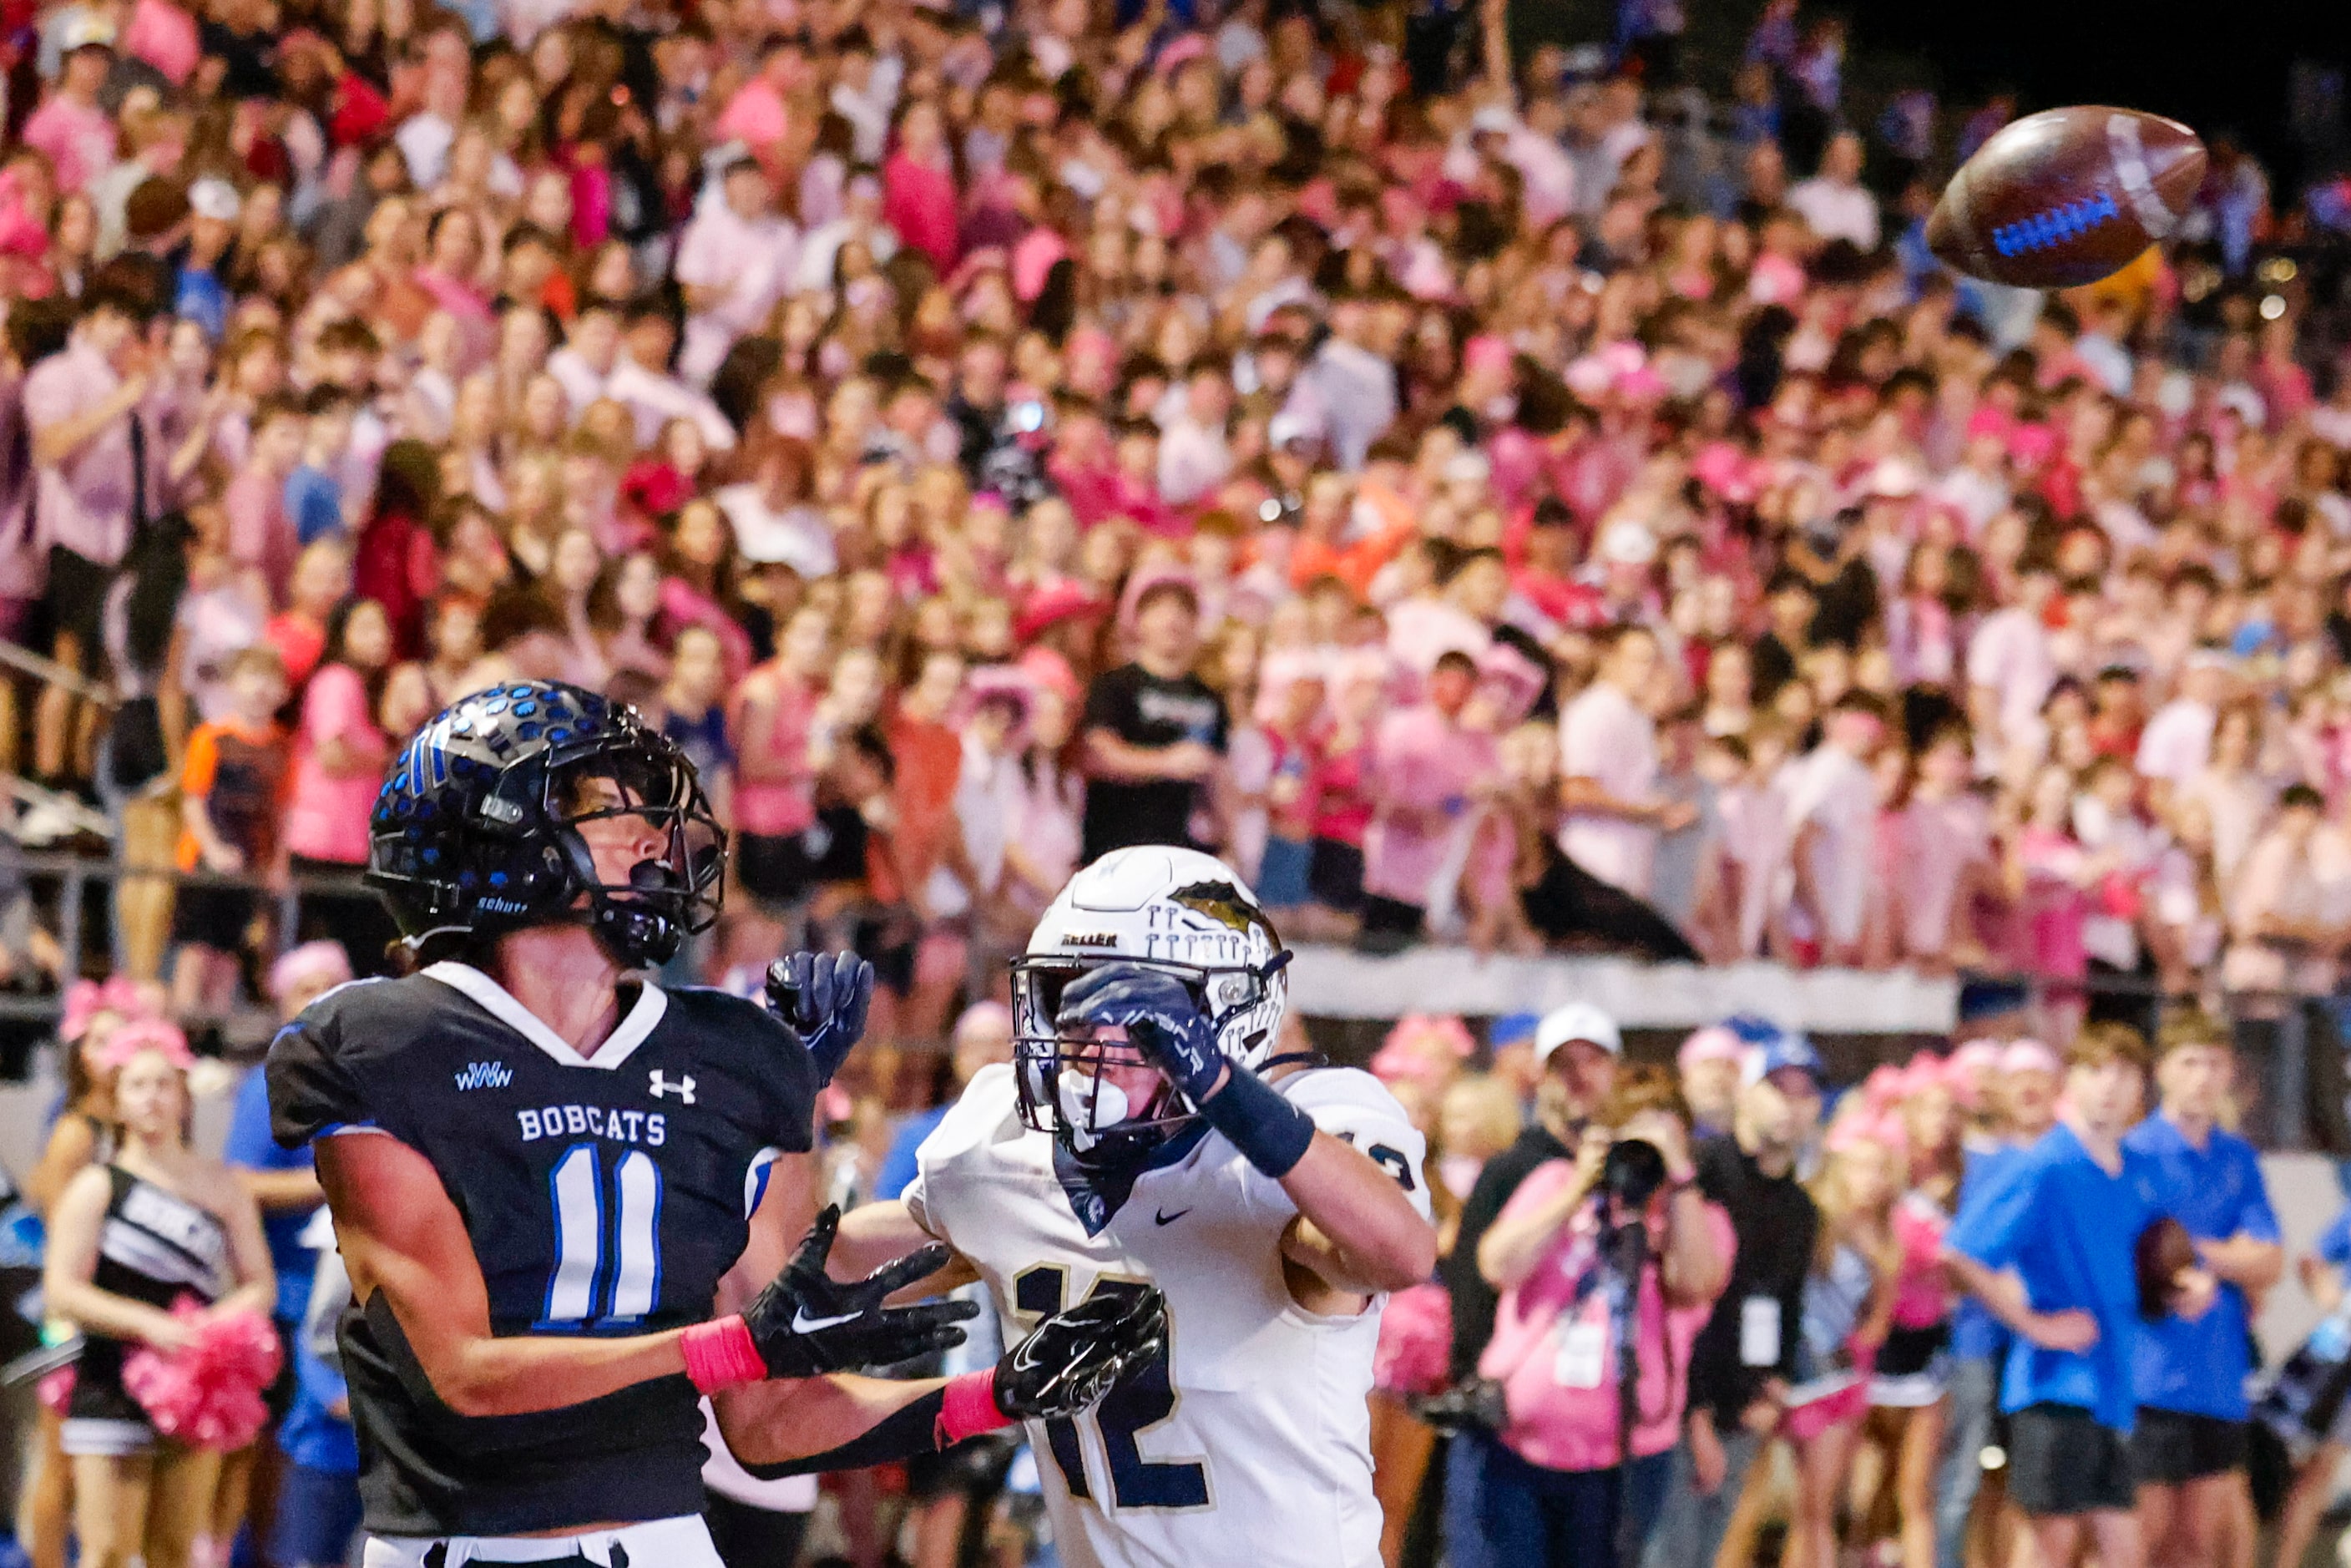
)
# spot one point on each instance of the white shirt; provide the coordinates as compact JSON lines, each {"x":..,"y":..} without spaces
{"x":2176,"y":742}
{"x":1259,"y":1450}
{"x":1836,"y":211}
{"x":583,"y":383}
{"x":751,"y":258}
{"x":425,"y":141}
{"x":1193,"y":461}
{"x":654,"y":400}
{"x":1831,"y":791}
{"x":1605,"y":737}
{"x":796,"y":536}
{"x":2010,"y":653}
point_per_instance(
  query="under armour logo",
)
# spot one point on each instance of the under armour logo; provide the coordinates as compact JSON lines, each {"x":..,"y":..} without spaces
{"x":682,"y":1086}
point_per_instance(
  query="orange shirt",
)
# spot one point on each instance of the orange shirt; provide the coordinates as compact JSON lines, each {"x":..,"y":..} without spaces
{"x":241,"y":774}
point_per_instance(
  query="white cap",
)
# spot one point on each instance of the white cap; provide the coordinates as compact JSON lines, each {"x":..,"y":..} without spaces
{"x":1577,"y":1020}
{"x":1628,"y":543}
{"x":214,"y":198}
{"x":85,"y":29}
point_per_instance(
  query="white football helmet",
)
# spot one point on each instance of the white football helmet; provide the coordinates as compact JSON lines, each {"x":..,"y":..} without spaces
{"x":1173,"y":910}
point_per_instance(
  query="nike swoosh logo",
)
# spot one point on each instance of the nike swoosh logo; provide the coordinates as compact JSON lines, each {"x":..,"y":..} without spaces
{"x":803,"y":1324}
{"x":1163,"y":1218}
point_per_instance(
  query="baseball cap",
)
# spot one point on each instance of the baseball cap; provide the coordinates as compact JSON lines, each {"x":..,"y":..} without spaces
{"x":1628,"y":543}
{"x":1577,"y":1020}
{"x":1512,"y":1028}
{"x":1713,"y":1043}
{"x":214,"y":198}
{"x":85,"y":29}
{"x":1782,"y":1050}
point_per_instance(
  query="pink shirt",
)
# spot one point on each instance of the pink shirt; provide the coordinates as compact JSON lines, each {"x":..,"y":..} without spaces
{"x":1424,"y":767}
{"x":1939,"y":840}
{"x":919,"y":202}
{"x":83,"y":503}
{"x":327,"y":816}
{"x":78,"y":138}
{"x":260,"y":534}
{"x":775,"y":808}
{"x":1561,"y":1427}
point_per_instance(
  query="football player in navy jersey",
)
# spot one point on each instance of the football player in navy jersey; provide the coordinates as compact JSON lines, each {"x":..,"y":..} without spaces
{"x":545,"y":1172}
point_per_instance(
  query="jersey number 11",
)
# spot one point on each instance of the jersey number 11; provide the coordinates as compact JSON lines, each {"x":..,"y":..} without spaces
{"x":1143,"y":1399}
{"x":580,"y":1278}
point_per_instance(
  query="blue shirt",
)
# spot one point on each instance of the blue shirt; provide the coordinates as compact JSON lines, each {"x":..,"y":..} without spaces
{"x":2067,"y":1228}
{"x":2217,"y":1192}
{"x":315,"y":502}
{"x":898,"y":1165}
{"x":312,"y":1435}
{"x":1976,"y":1334}
{"x":250,"y":1145}
{"x":2335,"y":1245}
{"x":202,"y":298}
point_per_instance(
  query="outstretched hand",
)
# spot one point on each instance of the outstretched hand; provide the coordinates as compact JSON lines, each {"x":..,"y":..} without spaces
{"x":805,"y":1324}
{"x":1070,"y":1361}
{"x":823,"y":997}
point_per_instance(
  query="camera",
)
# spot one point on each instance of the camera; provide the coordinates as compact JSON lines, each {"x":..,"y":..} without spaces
{"x":1633,"y":1172}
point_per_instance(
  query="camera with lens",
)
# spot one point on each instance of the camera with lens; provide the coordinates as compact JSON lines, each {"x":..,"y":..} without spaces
{"x":1633,"y":1172}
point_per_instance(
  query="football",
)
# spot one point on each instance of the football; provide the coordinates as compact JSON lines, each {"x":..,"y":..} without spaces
{"x":2066,"y":196}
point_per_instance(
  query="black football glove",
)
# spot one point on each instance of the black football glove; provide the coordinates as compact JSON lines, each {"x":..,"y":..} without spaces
{"x":806,"y":1324}
{"x":1070,"y":1360}
{"x":824,"y":998}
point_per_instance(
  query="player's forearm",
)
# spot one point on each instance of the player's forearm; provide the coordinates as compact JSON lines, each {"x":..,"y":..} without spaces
{"x":807,"y":1424}
{"x":2245,"y":1262}
{"x":1376,"y":1239}
{"x":524,"y":1373}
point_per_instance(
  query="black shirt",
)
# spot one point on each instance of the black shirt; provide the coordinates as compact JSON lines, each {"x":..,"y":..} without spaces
{"x":1776,"y":1224}
{"x":603,"y":1197}
{"x":1141,"y":709}
{"x":1474,"y":1299}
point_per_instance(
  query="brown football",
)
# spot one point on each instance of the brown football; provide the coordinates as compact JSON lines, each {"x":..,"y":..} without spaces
{"x":2066,"y":196}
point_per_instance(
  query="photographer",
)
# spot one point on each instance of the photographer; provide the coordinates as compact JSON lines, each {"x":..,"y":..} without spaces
{"x":1571,"y":1487}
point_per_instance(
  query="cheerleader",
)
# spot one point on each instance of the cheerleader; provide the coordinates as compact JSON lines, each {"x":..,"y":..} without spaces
{"x":1908,"y":1394}
{"x":127,"y":1239}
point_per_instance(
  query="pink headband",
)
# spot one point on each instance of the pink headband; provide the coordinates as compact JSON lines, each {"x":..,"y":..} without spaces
{"x":85,"y":1000}
{"x":1870,"y":1131}
{"x":1712,"y":1043}
{"x":146,"y":1034}
{"x":320,"y":959}
{"x":2029,"y":1056}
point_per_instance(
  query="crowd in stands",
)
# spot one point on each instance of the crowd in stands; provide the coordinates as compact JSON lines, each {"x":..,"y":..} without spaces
{"x":1484,"y":506}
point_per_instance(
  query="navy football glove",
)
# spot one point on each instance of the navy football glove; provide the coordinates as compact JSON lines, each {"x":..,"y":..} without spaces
{"x":1159,"y":1016}
{"x":824,"y":998}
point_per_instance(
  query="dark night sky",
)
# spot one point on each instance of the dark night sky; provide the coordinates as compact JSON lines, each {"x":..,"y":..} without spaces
{"x":2217,"y":64}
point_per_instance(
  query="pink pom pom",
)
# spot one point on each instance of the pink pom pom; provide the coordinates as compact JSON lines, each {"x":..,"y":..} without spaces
{"x":208,"y":1394}
{"x":56,"y":1390}
{"x":1416,"y":1345}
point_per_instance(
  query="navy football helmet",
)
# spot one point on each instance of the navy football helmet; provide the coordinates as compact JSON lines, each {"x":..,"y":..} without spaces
{"x":476,"y":828}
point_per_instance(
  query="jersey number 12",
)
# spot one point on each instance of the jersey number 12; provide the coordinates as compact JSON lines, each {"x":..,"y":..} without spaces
{"x":581,"y":1203}
{"x":1143,"y":1399}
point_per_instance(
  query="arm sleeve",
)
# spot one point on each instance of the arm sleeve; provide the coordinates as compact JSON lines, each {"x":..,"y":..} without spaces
{"x":1354,"y":1108}
{"x":906,"y":1431}
{"x":1990,"y":1231}
{"x":203,"y":757}
{"x":1106,"y":707}
{"x":2256,"y":1218}
{"x":311,"y":1092}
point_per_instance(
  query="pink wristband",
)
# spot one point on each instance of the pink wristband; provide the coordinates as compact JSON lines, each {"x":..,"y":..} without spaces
{"x":968,"y":1407}
{"x":721,"y":1354}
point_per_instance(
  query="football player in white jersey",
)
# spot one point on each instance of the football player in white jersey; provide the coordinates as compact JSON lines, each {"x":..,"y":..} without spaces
{"x":1147,"y":1132}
